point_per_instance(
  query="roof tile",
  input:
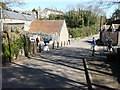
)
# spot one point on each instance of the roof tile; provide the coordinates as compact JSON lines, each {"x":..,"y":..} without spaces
{"x":46,"y":26}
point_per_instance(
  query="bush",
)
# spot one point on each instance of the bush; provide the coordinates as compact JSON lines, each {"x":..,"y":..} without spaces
{"x":83,"y":31}
{"x":6,"y":53}
{"x":14,"y":47}
{"x":17,"y":31}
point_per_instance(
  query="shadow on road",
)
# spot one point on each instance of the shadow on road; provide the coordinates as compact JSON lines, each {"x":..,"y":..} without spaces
{"x":32,"y":74}
{"x":26,"y":75}
{"x":106,"y":74}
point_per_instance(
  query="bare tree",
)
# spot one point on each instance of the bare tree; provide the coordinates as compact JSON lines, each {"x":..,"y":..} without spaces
{"x":105,"y":4}
{"x":11,"y":3}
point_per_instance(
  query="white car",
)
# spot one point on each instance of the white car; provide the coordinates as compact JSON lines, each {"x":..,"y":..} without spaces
{"x":32,"y":39}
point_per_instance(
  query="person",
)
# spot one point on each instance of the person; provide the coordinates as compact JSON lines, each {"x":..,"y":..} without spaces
{"x":93,"y":46}
{"x":69,"y":41}
{"x":37,"y":40}
{"x":45,"y":40}
{"x":110,"y":45}
{"x":45,"y":48}
{"x":51,"y":38}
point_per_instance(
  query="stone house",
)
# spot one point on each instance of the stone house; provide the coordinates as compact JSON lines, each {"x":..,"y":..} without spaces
{"x":56,"y":28}
{"x":112,"y":30}
{"x":14,"y":19}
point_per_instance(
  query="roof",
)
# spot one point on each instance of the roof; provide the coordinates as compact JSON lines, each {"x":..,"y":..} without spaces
{"x":17,"y":15}
{"x":114,"y":26}
{"x":107,"y":26}
{"x":52,"y":10}
{"x":46,"y":26}
{"x":114,"y":22}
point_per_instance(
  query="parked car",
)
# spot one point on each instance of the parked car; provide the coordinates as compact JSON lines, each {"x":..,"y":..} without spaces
{"x":32,"y":39}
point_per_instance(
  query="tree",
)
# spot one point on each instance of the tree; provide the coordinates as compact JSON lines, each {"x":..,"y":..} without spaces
{"x":104,"y":4}
{"x":34,"y":10}
{"x":3,"y":5}
{"x":11,"y":3}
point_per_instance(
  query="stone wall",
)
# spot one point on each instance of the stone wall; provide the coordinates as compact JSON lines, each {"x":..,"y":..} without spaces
{"x":26,"y":23}
{"x":16,"y":46}
{"x":64,"y":34}
{"x":19,"y":26}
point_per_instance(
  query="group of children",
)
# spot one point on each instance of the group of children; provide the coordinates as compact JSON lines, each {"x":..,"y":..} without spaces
{"x":109,"y":44}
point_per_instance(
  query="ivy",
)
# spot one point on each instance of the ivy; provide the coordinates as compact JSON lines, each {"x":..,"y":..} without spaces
{"x":6,"y":53}
{"x":14,"y":47}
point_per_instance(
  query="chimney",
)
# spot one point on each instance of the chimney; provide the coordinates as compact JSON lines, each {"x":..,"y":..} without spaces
{"x":39,"y":12}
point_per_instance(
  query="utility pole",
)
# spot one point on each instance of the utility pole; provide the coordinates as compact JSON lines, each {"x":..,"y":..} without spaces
{"x":1,"y":18}
{"x":101,"y":28}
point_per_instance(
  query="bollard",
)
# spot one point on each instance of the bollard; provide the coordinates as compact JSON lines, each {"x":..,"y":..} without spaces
{"x":93,"y":52}
{"x":61,"y":43}
{"x":64,"y":43}
{"x":53,"y":45}
{"x":57,"y":44}
{"x":39,"y":48}
{"x":33,"y":48}
{"x":67,"y":42}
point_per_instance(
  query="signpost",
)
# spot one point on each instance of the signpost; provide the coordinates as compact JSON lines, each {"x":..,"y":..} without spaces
{"x":1,"y":18}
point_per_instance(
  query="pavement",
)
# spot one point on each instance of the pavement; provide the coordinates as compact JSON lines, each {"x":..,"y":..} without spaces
{"x":59,"y":68}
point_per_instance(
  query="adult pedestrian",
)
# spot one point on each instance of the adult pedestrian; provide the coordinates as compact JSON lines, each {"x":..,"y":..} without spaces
{"x":37,"y":41}
{"x":93,"y":47}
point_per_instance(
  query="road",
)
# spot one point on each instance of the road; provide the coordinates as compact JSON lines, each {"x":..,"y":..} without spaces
{"x":58,"y":68}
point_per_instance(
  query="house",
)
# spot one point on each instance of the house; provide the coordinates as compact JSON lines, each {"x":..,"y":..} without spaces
{"x":56,"y":28}
{"x":112,"y":30}
{"x":14,"y":19}
{"x":46,"y":12}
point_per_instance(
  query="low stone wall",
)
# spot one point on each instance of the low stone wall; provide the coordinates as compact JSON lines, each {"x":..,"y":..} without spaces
{"x":16,"y":46}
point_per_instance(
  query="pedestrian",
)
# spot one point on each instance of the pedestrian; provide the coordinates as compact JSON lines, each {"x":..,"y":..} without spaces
{"x":93,"y":42}
{"x":110,"y":48}
{"x":37,"y":41}
{"x":69,"y":41}
{"x":45,"y":40}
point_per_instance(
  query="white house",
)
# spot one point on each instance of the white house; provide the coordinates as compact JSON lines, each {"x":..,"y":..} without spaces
{"x":46,"y":12}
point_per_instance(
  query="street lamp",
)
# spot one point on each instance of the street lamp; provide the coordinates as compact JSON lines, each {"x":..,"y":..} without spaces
{"x":1,"y":19}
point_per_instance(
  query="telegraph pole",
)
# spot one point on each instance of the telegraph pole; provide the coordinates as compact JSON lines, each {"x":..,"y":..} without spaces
{"x":101,"y":28}
{"x":1,"y":18}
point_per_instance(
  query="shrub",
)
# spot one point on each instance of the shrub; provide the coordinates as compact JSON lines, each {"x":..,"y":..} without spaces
{"x":83,"y":31}
{"x":14,"y":47}
{"x":17,"y":31}
{"x":6,"y":53}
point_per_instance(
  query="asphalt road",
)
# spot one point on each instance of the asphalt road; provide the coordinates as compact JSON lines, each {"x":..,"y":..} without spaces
{"x":58,"y":68}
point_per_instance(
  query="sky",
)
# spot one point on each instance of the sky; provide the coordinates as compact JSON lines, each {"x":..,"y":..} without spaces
{"x":62,"y":5}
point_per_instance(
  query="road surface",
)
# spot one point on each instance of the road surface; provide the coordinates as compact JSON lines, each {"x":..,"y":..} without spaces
{"x":58,"y":68}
